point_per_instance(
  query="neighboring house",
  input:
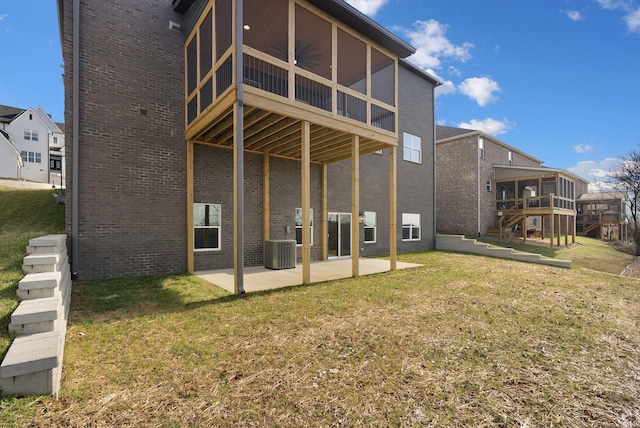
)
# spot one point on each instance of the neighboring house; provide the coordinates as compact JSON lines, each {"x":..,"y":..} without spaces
{"x":40,"y":142}
{"x":602,"y":215}
{"x":486,"y":187}
{"x":182,"y":160}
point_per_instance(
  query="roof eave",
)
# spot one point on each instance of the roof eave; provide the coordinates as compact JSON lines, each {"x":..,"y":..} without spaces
{"x":346,"y":13}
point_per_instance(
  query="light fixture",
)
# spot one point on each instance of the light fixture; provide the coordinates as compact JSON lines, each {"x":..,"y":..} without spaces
{"x":174,"y":26}
{"x":246,"y":27}
{"x":362,"y":218}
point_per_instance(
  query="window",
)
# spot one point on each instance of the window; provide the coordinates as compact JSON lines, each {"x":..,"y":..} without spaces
{"x":488,"y":185}
{"x":481,"y":148}
{"x":33,"y":157}
{"x":55,"y":140}
{"x":298,"y":219}
{"x":412,"y":148}
{"x":410,"y":227}
{"x":510,"y":158}
{"x":370,"y":223}
{"x":30,"y":135}
{"x":206,"y":227}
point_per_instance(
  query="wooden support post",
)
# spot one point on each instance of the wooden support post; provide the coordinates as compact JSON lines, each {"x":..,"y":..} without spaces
{"x":559,"y":229}
{"x":238,"y":199}
{"x":355,"y":206}
{"x":552,"y":227}
{"x":266,"y":205}
{"x":325,"y":214}
{"x":190,"y":176}
{"x":306,"y":201}
{"x":524,"y":229}
{"x":393,"y":209}
{"x":566,"y":231}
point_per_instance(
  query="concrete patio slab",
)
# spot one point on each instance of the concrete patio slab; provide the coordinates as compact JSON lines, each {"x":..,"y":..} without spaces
{"x":259,"y":278}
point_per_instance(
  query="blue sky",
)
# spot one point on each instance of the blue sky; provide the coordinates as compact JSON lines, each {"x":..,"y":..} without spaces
{"x":559,"y":79}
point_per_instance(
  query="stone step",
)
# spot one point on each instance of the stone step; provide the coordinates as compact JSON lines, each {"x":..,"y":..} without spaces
{"x":36,"y":263}
{"x":39,"y":285}
{"x":33,"y":365}
{"x":49,"y":244}
{"x":36,"y":316}
{"x":461,"y":244}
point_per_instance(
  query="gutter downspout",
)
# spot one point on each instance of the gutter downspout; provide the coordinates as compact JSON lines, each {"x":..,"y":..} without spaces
{"x":479,"y":189}
{"x":239,"y":161}
{"x":76,"y":130}
{"x":435,"y":198}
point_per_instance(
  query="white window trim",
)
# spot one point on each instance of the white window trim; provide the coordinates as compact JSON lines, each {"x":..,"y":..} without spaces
{"x":374,"y":227}
{"x":300,"y":226}
{"x":510,"y":158}
{"x":411,"y":227}
{"x":489,"y":186}
{"x":407,"y":137}
{"x":219,"y":227}
{"x":481,"y":148}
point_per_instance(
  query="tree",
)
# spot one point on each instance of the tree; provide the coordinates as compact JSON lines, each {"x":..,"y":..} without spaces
{"x":627,"y":179}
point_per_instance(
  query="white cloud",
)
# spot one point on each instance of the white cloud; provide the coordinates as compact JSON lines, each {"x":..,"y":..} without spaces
{"x":574,"y":15}
{"x":368,"y":7}
{"x":614,"y":4}
{"x":480,"y":89}
{"x":432,"y":45}
{"x":633,"y":21}
{"x":583,"y":148}
{"x":3,"y":16}
{"x":447,"y":87}
{"x":454,"y":71}
{"x":488,"y":126}
{"x":597,"y":172}
{"x":632,"y":17}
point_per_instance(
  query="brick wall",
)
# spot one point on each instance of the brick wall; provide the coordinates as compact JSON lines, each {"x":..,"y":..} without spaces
{"x":415,"y":181}
{"x":213,"y":183}
{"x":132,"y":154}
{"x":456,"y":186}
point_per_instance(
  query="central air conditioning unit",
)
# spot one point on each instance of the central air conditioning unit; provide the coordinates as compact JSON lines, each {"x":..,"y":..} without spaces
{"x":280,"y":254}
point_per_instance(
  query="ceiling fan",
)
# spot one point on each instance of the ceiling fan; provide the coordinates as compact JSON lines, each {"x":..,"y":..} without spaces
{"x":305,"y":55}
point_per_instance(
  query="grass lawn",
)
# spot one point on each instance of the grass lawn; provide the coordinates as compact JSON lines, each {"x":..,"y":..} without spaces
{"x":461,"y":341}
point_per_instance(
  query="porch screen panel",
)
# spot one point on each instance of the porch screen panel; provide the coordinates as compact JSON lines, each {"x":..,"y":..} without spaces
{"x":352,"y":62}
{"x":206,"y":46}
{"x":383,"y":77}
{"x":313,"y":43}
{"x":266,"y":27}
{"x":223,"y":27}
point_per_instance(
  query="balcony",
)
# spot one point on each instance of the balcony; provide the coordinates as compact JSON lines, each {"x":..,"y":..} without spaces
{"x":297,"y":65}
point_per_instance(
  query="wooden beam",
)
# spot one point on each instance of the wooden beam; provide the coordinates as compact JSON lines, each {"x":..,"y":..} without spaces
{"x":393,"y":202}
{"x":306,"y":202}
{"x":325,"y":214}
{"x":190,"y":176}
{"x":559,"y":229}
{"x":552,"y":227}
{"x":355,"y":206}
{"x":566,"y":230}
